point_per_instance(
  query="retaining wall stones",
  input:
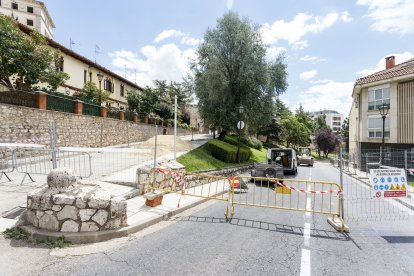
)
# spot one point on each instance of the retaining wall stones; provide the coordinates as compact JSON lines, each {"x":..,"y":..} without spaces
{"x":30,"y":125}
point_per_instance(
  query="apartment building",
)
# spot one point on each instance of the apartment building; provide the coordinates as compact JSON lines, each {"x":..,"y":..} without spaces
{"x":333,"y":118}
{"x":393,"y":86}
{"x":30,"y":13}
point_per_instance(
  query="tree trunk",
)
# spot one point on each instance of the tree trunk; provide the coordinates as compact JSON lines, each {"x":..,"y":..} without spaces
{"x":223,"y":134}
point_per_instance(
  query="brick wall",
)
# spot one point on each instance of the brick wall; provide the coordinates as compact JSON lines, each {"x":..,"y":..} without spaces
{"x":29,"y":125}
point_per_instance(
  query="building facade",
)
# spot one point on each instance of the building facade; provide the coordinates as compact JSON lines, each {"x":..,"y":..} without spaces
{"x":333,"y":119}
{"x":393,"y":86}
{"x":30,"y":13}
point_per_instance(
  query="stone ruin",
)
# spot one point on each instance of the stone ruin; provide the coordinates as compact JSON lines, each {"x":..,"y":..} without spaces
{"x":70,"y":205}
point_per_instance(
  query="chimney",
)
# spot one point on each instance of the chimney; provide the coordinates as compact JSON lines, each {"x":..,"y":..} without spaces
{"x":389,"y":62}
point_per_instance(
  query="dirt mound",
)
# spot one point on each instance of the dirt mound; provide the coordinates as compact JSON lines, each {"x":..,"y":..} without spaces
{"x":165,"y":144}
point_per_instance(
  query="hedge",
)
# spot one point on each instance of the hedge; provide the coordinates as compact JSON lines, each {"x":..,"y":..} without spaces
{"x":245,"y":141}
{"x":227,"y":152}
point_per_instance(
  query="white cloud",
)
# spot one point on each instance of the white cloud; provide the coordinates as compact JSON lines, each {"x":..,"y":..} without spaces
{"x":301,"y":25}
{"x":307,"y":75}
{"x":185,"y":38}
{"x":230,"y":4}
{"x":313,"y":59}
{"x":390,"y":15}
{"x":273,"y":52}
{"x":328,"y":94}
{"x":345,"y":17}
{"x":399,"y":58}
{"x":300,"y":45}
{"x":167,"y":62}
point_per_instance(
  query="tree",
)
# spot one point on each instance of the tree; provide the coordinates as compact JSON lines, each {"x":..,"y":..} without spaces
{"x":305,"y":119}
{"x":182,"y":91}
{"x":92,"y":93}
{"x":134,"y":100}
{"x":25,"y":60}
{"x":320,"y":122}
{"x":164,"y":110}
{"x":186,"y":118}
{"x":149,"y":98}
{"x":160,"y":87}
{"x":325,"y":141}
{"x":294,"y":133}
{"x":231,"y":71}
{"x":345,"y":131}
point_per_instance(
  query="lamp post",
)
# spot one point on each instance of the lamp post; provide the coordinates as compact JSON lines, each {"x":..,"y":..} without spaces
{"x":383,"y":109}
{"x":100,"y":77}
{"x":240,"y":126}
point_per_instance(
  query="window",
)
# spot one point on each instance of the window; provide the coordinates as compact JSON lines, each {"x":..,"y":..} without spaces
{"x":122,"y":89}
{"x":30,"y":9}
{"x":14,"y":6}
{"x":108,"y":86}
{"x":90,"y":76}
{"x":378,"y":97}
{"x":375,"y":127}
{"x":85,"y":76}
{"x":29,"y":22}
{"x":59,"y":64}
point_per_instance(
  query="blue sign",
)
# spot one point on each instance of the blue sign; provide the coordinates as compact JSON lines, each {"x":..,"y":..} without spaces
{"x":375,"y":180}
{"x":376,"y":187}
{"x":382,"y":179}
{"x":389,"y":179}
{"x":381,"y":187}
{"x":387,"y":187}
{"x":395,"y":179}
{"x":402,"y":179}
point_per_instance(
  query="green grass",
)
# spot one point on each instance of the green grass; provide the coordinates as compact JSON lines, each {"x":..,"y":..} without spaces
{"x":316,"y":156}
{"x":17,"y":233}
{"x":199,"y":159}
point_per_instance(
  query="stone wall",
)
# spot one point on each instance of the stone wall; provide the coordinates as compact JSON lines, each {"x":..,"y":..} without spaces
{"x":30,"y":125}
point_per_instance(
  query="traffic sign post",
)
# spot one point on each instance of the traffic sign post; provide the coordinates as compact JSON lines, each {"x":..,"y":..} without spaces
{"x":388,"y":183}
{"x":240,"y":124}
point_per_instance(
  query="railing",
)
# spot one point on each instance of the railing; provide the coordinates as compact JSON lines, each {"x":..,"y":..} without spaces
{"x":91,"y":109}
{"x":113,"y":112}
{"x":129,"y":115}
{"x":59,"y":103}
{"x":16,"y":97}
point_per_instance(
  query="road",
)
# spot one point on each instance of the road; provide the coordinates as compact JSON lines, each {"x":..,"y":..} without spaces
{"x":258,"y":241}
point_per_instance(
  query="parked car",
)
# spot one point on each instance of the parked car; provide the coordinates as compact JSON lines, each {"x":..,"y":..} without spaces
{"x":305,"y":156}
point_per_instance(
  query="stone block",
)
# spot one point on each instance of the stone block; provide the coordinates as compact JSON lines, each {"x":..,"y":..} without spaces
{"x":118,"y":207}
{"x":56,"y":208}
{"x":39,"y":214}
{"x":61,"y":179}
{"x":49,"y":212}
{"x":68,"y":212}
{"x":81,"y":202}
{"x":32,"y":218}
{"x":86,"y":214}
{"x":100,"y":217}
{"x":99,"y":200}
{"x":113,"y":224}
{"x":63,"y":199}
{"x":70,"y":226}
{"x":49,"y":222}
{"x":89,"y":227}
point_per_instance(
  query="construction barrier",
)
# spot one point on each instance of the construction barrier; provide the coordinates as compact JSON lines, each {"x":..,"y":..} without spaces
{"x":6,"y":163}
{"x":284,"y":194}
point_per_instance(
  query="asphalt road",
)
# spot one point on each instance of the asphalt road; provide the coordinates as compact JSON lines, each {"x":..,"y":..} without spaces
{"x":258,"y":241}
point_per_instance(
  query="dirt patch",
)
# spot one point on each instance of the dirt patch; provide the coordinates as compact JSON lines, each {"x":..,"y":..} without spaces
{"x":165,"y":145}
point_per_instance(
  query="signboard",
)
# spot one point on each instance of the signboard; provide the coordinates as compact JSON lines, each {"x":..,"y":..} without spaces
{"x":240,"y":125}
{"x":388,"y":183}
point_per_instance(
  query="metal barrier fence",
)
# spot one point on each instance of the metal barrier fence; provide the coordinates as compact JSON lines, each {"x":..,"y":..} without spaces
{"x":360,"y":204}
{"x":284,"y":194}
{"x":6,"y":163}
{"x":17,"y":97}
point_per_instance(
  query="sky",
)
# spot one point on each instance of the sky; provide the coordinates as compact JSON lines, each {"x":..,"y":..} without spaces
{"x":328,"y":44}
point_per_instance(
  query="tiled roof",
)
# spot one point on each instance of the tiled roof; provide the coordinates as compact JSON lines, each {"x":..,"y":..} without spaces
{"x":402,"y":69}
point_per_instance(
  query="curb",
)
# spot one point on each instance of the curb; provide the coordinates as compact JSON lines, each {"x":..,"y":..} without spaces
{"x":100,"y":236}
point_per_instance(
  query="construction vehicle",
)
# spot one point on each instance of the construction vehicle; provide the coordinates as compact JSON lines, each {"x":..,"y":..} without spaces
{"x":279,"y":162}
{"x":305,"y":156}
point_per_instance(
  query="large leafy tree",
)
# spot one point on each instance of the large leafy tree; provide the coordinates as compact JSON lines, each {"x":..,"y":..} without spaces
{"x":149,"y":98}
{"x":294,"y":133}
{"x":345,"y":131}
{"x":231,"y":71}
{"x":325,"y":141}
{"x":134,"y":99}
{"x":320,"y":122}
{"x":305,"y":119}
{"x":25,"y":60}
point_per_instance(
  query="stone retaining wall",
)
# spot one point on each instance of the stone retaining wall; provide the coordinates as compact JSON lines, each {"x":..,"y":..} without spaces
{"x":30,"y":125}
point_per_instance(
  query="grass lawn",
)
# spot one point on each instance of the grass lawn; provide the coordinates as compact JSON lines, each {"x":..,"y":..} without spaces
{"x":316,"y":156}
{"x":199,"y":159}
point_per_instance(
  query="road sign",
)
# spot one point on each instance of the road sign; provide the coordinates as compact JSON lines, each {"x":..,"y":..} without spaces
{"x":240,"y":125}
{"x":392,"y":183}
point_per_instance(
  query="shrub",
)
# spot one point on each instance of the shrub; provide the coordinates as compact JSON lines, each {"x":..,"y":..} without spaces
{"x":227,"y":152}
{"x":252,"y":142}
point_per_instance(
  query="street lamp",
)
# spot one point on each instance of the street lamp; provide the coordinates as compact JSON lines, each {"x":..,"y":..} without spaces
{"x":240,"y":125}
{"x":383,"y":109}
{"x":100,"y":77}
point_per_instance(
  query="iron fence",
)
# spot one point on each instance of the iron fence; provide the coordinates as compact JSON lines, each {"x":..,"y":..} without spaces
{"x":113,"y":112}
{"x":91,"y":109}
{"x":129,"y":115}
{"x":20,"y":98}
{"x":59,"y":103}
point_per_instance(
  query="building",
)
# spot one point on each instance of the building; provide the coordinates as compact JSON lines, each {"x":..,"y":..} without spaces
{"x":333,"y":118}
{"x":393,"y":86}
{"x":30,"y":13}
{"x":81,"y":70}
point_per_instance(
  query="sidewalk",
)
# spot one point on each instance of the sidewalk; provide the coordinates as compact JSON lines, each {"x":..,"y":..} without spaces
{"x":13,"y":195}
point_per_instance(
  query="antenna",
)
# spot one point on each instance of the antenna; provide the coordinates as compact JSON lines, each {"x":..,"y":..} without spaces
{"x":125,"y":70}
{"x":97,"y":52}
{"x":72,"y":43}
